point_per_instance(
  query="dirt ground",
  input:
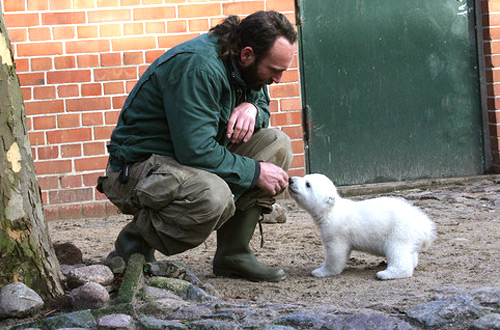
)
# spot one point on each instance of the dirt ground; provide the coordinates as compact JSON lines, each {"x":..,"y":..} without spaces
{"x":464,"y":256}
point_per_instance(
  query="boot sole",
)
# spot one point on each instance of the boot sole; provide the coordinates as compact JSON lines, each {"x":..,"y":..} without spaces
{"x":236,"y":274}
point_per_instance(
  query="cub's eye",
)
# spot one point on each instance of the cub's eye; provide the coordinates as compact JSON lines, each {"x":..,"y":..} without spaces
{"x":308,"y":185}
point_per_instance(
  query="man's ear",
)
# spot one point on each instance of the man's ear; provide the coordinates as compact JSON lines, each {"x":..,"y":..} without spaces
{"x":247,"y":56}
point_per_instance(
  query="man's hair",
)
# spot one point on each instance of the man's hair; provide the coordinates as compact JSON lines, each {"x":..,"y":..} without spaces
{"x":259,"y":31}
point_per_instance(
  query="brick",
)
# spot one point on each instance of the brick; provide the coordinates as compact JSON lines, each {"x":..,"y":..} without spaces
{"x":129,"y":85}
{"x":294,"y":132}
{"x":155,"y":27}
{"x":67,"y":90}
{"x":274,"y":106}
{"x":102,"y":16}
{"x":26,"y":93}
{"x":70,"y":195}
{"x":90,"y":179}
{"x":118,"y":102}
{"x":83,"y":4}
{"x":111,"y":117}
{"x":44,"y":122}
{"x":44,"y":107}
{"x":31,"y":79}
{"x":64,"y":32}
{"x":133,"y":29}
{"x":199,"y":10}
{"x":70,"y":76}
{"x":87,"y":61}
{"x":68,"y":120}
{"x":88,"y":104}
{"x":87,"y":31}
{"x":51,"y":212}
{"x":65,"y":62}
{"x":286,"y":118}
{"x":131,"y":58}
{"x":115,"y":87}
{"x":48,"y":182}
{"x":22,"y":64}
{"x":53,"y":167}
{"x":177,"y":26}
{"x":115,"y":74}
{"x":18,"y":35}
{"x":71,"y":211}
{"x":131,"y":2}
{"x":298,"y":161}
{"x":297,"y":146}
{"x":91,"y":89}
{"x":170,"y":41}
{"x":110,"y":30}
{"x":36,"y":138}
{"x":152,"y":55}
{"x":133,"y":43}
{"x":44,"y":92}
{"x":94,"y":148}
{"x":92,"y":119}
{"x":242,"y":7}
{"x":21,"y":20}
{"x":111,"y":59}
{"x":40,"y":49}
{"x":103,"y":133}
{"x":280,"y":5}
{"x":290,"y":76}
{"x":91,"y":163}
{"x":62,"y":18}
{"x":94,"y":209}
{"x":13,"y":5}
{"x":69,"y":135}
{"x":494,"y":117}
{"x":71,"y":150}
{"x":154,"y":13}
{"x":107,"y":3}
{"x":198,"y":25}
{"x":37,"y":5}
{"x":59,"y":4}
{"x":39,"y":34}
{"x":110,"y":208}
{"x":45,"y":153}
{"x":87,"y":46}
{"x":290,"y":104}
{"x":299,"y":171}
{"x":41,"y":64}
{"x":152,"y":2}
{"x":284,"y":90}
{"x":71,"y":181}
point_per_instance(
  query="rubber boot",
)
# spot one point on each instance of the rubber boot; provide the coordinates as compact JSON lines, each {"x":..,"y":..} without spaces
{"x":234,"y":257}
{"x":130,"y":241}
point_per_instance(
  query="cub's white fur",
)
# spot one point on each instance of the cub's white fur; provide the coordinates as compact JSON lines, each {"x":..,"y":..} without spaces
{"x":382,"y":226}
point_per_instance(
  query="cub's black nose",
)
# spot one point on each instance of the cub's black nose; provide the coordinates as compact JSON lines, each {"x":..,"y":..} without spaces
{"x":290,"y":180}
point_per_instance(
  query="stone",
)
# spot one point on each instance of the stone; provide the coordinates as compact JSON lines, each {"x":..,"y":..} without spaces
{"x":116,"y":321}
{"x":153,"y":323}
{"x":278,"y":215}
{"x":91,"y":295}
{"x":68,"y":254}
{"x":487,"y":322}
{"x":95,"y":273}
{"x":17,"y":300}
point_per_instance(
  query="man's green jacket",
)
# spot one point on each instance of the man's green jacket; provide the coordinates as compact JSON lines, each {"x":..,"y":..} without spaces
{"x":180,"y":108}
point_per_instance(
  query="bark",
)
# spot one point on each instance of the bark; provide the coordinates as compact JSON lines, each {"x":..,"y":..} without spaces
{"x":26,"y":252}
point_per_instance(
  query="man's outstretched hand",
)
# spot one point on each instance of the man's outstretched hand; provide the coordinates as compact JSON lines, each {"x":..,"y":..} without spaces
{"x":272,"y":179}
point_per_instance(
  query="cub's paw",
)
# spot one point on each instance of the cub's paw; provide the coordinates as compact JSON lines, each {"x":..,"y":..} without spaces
{"x":322,"y":272}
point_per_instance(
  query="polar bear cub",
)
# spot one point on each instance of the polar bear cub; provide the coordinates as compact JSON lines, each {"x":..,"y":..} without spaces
{"x":382,"y":226}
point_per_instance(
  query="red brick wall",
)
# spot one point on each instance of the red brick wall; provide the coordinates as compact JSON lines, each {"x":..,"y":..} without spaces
{"x":78,"y":59}
{"x":490,"y":12}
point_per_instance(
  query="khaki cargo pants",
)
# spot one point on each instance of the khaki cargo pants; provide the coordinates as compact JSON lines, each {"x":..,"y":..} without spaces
{"x":176,"y":207}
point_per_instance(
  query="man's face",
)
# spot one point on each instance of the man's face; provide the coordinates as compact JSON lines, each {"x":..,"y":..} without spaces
{"x":270,"y":68}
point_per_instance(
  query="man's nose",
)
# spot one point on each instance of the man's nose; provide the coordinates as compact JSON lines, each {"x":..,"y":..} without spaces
{"x":277,"y":77}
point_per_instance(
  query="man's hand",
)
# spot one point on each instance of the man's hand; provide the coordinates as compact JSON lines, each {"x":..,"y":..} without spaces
{"x":272,"y":179}
{"x":241,"y":124}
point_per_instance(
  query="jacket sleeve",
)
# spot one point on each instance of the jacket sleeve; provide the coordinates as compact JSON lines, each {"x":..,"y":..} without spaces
{"x":195,"y":116}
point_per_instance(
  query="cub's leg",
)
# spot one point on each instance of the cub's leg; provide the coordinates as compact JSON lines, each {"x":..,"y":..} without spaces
{"x":400,"y":261}
{"x":336,"y":256}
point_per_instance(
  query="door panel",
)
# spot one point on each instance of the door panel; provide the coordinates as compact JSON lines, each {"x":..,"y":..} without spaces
{"x":391,"y":89}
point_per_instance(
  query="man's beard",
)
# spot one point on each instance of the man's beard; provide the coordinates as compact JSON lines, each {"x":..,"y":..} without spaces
{"x":251,"y":77}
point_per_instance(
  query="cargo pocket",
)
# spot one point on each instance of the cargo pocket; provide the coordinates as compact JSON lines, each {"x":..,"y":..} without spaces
{"x":158,"y":188}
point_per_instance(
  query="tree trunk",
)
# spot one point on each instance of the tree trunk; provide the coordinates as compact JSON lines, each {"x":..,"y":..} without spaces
{"x":26,"y":252}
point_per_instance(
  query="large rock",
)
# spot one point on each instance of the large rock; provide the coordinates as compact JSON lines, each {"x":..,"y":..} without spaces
{"x":18,"y":301}
{"x":96,"y":273}
{"x":91,"y":295}
{"x":68,"y":254}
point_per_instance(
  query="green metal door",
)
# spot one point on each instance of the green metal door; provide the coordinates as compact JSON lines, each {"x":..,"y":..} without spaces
{"x":390,"y":89}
